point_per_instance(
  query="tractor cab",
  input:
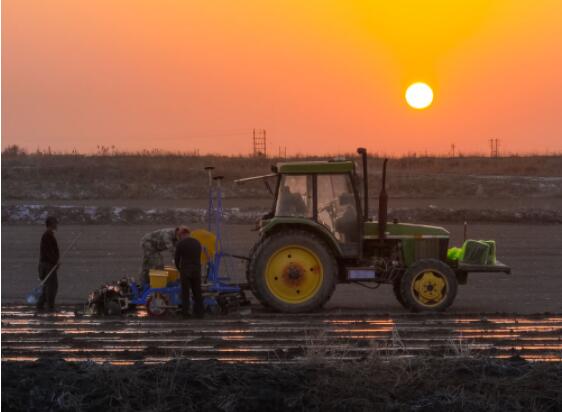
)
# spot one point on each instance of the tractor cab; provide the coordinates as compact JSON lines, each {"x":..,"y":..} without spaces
{"x":321,"y":195}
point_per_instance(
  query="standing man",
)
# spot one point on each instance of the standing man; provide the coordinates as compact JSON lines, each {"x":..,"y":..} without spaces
{"x":49,"y":260}
{"x":188,"y":261}
{"x":153,"y":244}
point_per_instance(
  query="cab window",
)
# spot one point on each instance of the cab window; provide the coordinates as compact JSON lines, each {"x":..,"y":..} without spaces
{"x":295,"y":196}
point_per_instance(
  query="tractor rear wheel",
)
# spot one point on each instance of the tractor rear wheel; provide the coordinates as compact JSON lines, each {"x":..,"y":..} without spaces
{"x":293,"y":271}
{"x":428,"y":285}
{"x":397,"y":293}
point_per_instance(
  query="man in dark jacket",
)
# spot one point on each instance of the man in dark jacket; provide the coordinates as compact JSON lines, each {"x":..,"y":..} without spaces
{"x":188,"y":261}
{"x":49,"y":260}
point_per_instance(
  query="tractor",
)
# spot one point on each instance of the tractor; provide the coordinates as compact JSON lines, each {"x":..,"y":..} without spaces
{"x":319,"y":233}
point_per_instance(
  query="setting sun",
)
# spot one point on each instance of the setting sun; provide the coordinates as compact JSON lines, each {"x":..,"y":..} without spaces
{"x":419,"y":95}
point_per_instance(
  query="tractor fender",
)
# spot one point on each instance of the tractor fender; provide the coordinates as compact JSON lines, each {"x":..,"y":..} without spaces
{"x":314,"y":228}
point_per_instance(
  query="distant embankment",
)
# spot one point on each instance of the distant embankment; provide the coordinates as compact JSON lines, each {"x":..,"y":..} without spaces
{"x":68,"y":177}
{"x":92,"y":215}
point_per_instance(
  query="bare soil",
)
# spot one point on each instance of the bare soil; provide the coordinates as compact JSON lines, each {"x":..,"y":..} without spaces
{"x":105,"y":253}
{"x":254,"y":335}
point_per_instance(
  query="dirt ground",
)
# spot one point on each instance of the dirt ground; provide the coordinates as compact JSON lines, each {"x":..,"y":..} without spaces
{"x":106,"y":253}
{"x":418,"y":385}
{"x":554,"y":203}
{"x":249,"y":336}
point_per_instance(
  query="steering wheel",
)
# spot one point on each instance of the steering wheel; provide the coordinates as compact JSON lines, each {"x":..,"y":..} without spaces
{"x":330,"y":208}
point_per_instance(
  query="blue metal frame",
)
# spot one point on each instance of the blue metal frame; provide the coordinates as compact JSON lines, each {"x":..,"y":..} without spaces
{"x":215,"y":215}
{"x":139,"y":296}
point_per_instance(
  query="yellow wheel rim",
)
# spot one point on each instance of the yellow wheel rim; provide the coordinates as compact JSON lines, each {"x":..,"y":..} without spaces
{"x":294,"y":274}
{"x":429,"y":288}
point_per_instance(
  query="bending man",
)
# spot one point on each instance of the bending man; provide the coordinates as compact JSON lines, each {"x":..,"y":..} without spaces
{"x":153,"y":244}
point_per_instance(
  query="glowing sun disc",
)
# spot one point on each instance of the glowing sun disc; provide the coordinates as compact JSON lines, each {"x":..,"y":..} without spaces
{"x":419,"y":95}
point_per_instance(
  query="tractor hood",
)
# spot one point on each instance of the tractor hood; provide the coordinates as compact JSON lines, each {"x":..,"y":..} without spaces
{"x":405,"y":231}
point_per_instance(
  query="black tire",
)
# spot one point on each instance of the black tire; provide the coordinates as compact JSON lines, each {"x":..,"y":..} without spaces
{"x":112,"y":307}
{"x":250,"y":267}
{"x":397,"y":294}
{"x":214,"y":310}
{"x":273,"y":244}
{"x":413,"y":301}
{"x":156,"y":304}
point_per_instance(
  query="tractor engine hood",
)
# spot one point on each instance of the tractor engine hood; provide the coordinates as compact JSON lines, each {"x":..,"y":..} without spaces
{"x":405,"y":231}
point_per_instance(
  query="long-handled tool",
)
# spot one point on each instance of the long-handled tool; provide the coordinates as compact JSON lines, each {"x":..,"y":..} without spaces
{"x":33,"y":297}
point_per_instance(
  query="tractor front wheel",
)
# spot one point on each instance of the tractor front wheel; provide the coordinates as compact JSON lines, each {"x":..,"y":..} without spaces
{"x":428,"y":285}
{"x":292,"y":272}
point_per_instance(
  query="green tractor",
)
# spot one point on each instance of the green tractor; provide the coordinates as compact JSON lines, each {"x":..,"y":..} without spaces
{"x":319,"y":234}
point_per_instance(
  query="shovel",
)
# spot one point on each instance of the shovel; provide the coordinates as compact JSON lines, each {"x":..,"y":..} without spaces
{"x":33,"y":297}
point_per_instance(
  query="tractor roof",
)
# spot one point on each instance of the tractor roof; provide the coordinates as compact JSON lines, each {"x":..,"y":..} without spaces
{"x":324,"y":166}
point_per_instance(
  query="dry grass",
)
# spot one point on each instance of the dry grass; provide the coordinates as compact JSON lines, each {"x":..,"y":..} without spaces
{"x":421,"y":384}
{"x":178,"y":176}
{"x":168,"y":164}
{"x":320,"y":347}
{"x":461,"y":346}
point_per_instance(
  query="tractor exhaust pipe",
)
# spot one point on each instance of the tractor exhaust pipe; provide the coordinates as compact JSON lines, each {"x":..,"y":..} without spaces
{"x":363,"y":152}
{"x":383,"y":204}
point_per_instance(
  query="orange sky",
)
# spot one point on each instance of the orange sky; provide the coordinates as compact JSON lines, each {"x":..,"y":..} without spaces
{"x":321,"y":76}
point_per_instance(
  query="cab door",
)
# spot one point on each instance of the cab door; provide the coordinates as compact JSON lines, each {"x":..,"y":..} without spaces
{"x":337,"y":210}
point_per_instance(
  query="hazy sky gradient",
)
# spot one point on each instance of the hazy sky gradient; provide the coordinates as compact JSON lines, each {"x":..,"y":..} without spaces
{"x":320,"y":76}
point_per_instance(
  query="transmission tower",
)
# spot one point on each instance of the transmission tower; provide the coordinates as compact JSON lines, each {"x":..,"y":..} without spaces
{"x":260,"y":142}
{"x":494,"y":147}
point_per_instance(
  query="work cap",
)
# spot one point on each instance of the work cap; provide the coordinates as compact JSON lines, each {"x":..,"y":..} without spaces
{"x":182,"y":230}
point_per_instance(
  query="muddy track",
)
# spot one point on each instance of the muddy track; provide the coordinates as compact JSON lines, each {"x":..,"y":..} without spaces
{"x":266,"y":337}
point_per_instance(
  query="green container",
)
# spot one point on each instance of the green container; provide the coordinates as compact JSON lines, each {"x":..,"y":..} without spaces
{"x":492,"y":253}
{"x":475,"y":252}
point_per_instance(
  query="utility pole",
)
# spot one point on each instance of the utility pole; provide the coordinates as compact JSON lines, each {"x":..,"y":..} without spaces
{"x":259,"y":139}
{"x":452,"y":150}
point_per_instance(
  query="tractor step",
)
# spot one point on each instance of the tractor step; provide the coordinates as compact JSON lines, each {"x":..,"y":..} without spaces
{"x":475,"y":268}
